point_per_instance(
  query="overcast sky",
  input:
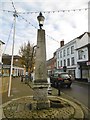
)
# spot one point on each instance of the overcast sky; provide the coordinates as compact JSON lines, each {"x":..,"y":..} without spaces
{"x":58,"y":25}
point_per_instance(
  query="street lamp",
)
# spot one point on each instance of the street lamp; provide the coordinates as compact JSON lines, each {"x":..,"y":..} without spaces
{"x":41,"y":19}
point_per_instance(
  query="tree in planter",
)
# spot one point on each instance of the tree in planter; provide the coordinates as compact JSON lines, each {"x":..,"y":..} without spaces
{"x":27,"y":57}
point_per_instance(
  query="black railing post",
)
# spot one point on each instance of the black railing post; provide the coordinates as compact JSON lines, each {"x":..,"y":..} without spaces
{"x":59,"y":88}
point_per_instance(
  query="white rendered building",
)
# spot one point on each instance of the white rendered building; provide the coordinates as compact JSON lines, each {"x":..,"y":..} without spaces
{"x":75,"y":55}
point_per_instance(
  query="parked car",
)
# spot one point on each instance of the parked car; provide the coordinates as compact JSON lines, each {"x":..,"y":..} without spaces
{"x":60,"y":79}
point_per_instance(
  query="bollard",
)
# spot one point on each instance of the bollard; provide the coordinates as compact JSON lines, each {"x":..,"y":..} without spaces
{"x":21,"y":78}
{"x":59,"y":89}
{"x":25,"y":79}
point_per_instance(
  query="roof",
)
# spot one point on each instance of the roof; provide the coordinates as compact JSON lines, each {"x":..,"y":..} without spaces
{"x":83,"y":35}
{"x":79,"y":37}
{"x":2,"y":42}
{"x":50,"y":60}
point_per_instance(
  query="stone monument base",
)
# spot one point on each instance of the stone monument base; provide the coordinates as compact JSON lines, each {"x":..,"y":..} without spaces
{"x":40,"y":105}
{"x":40,"y":96}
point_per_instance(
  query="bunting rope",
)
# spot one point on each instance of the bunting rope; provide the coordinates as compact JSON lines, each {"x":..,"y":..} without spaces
{"x":13,"y":6}
{"x":8,"y":38}
{"x":58,"y":11}
{"x":36,"y":28}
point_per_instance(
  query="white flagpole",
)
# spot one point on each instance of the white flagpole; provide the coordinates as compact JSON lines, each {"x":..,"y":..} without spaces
{"x":9,"y":89}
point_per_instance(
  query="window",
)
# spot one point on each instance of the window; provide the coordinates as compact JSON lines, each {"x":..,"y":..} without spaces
{"x":72,"y":61}
{"x":72,"y":49}
{"x":58,"y":64}
{"x":80,"y":52}
{"x":63,"y":53}
{"x":61,"y":63}
{"x":68,"y":62}
{"x":67,"y":51}
{"x":58,"y":55}
{"x":84,"y":56}
{"x":64,"y":62}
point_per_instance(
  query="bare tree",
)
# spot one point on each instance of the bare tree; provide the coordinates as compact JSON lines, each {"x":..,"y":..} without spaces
{"x":27,"y":56}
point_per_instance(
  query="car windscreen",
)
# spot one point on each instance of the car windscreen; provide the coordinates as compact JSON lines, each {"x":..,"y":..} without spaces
{"x":56,"y":75}
{"x":64,"y":76}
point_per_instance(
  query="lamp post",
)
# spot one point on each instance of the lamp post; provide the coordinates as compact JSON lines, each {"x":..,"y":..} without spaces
{"x":41,"y":20}
{"x":40,"y":84}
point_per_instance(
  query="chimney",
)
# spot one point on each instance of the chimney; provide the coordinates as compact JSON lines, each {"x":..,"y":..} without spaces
{"x":62,"y":43}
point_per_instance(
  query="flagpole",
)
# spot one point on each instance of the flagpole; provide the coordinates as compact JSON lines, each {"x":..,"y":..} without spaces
{"x":10,"y":81}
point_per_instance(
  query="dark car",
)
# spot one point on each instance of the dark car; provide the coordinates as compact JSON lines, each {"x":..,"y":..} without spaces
{"x":61,"y":79}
